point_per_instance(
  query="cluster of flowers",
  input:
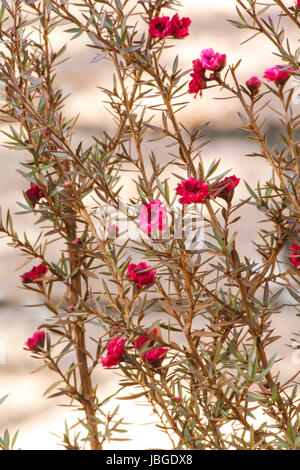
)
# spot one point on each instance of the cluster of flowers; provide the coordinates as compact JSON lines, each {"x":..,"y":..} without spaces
{"x":278,"y":74}
{"x":161,"y":27}
{"x":210,"y":63}
{"x":116,"y":349}
{"x":153,"y":215}
{"x":153,"y":357}
{"x":195,"y":191}
{"x":142,"y":275}
{"x":214,"y":61}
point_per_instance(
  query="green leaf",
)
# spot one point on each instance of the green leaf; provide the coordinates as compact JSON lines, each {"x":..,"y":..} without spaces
{"x":3,"y":399}
{"x":267,"y":369}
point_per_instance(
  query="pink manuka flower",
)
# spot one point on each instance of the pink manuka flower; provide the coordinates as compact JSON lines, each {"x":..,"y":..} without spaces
{"x":153,"y":216}
{"x":211,"y":60}
{"x":278,"y":74}
{"x":36,"y":272}
{"x":180,"y":27}
{"x":192,"y":191}
{"x":141,"y":274}
{"x":160,"y":27}
{"x":36,"y":342}
{"x":226,"y":185}
{"x":141,"y":340}
{"x":155,"y":357}
{"x":34,"y":194}
{"x":295,"y":255}
{"x":115,"y":351}
{"x":253,"y":84}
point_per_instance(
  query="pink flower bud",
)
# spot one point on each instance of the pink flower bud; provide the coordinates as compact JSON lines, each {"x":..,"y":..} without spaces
{"x":155,"y":357}
{"x":253,"y":85}
{"x":225,"y":187}
{"x":34,"y":194}
{"x":36,"y":342}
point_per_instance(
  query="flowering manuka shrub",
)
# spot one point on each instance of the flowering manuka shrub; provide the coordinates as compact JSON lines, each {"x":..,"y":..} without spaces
{"x":187,"y":330}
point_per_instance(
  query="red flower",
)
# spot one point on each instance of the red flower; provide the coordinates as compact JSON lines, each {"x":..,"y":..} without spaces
{"x":295,"y":255}
{"x":160,"y":27}
{"x":34,"y":194}
{"x":253,"y":84}
{"x":155,"y":357}
{"x":141,"y":275}
{"x":141,"y":340}
{"x":180,"y":27}
{"x":36,"y":342}
{"x":278,"y":74}
{"x":227,"y":185}
{"x":115,"y":351}
{"x":298,"y":3}
{"x":211,"y":60}
{"x":36,"y":272}
{"x":198,"y":82}
{"x":192,"y":191}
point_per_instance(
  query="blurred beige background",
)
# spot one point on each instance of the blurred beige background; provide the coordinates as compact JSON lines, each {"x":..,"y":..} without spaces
{"x":26,"y":409}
